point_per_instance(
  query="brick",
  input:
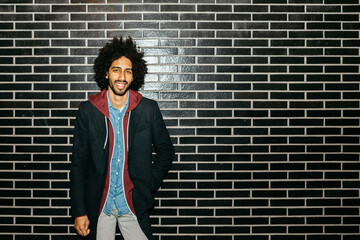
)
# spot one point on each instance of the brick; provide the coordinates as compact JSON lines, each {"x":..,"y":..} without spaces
{"x":51,"y":17}
{"x":348,"y":237}
{"x":270,"y":51}
{"x":142,"y":8}
{"x":16,"y":17}
{"x":337,"y":51}
{"x":233,"y":17}
{"x":284,"y":8}
{"x":264,"y":212}
{"x":87,"y":17}
{"x":15,"y":69}
{"x":251,"y":25}
{"x":346,"y":211}
{"x":251,"y":8}
{"x":307,"y":51}
{"x":323,"y":26}
{"x":268,"y":1}
{"x":29,"y":25}
{"x":269,"y":17}
{"x":282,"y":25}
{"x":124,"y":16}
{"x":88,"y":1}
{"x":5,"y":8}
{"x":32,"y":60}
{"x":319,"y":8}
{"x":162,"y":16}
{"x":195,"y":230}
{"x":68,"y":25}
{"x":214,"y":25}
{"x":14,"y":51}
{"x":217,"y":221}
{"x":308,"y":229}
{"x":176,"y":25}
{"x":350,"y":8}
{"x":342,"y":17}
{"x":72,"y":8}
{"x":351,"y":25}
{"x":196,"y":34}
{"x":345,"y":34}
{"x":16,"y":229}
{"x":342,"y":229}
{"x":50,"y":51}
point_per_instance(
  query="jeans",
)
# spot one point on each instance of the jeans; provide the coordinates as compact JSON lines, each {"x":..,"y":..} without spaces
{"x":128,"y":225}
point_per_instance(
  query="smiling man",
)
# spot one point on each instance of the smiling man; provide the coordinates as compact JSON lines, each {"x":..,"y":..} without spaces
{"x":114,"y":173}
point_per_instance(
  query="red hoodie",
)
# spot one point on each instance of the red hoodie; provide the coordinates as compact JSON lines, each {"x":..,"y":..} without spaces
{"x":99,"y":100}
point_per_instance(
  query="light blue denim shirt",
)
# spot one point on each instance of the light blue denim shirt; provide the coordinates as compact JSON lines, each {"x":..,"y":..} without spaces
{"x":116,"y":194}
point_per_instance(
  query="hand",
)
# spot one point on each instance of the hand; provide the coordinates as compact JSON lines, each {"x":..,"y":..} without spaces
{"x":81,"y":225}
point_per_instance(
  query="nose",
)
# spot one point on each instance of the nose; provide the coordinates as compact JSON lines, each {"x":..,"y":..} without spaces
{"x":122,"y":76}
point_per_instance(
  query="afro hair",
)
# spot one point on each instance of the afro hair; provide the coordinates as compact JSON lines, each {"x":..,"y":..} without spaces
{"x":113,"y":50}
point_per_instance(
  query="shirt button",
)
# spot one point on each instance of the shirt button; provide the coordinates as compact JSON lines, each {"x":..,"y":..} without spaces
{"x":118,"y":146}
{"x":118,"y":132}
{"x":117,"y":173}
{"x":115,"y":186}
{"x":118,"y":118}
{"x":114,"y":198}
{"x":118,"y":160}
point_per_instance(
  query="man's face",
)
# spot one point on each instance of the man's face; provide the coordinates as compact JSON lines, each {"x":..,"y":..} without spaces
{"x":120,"y":76}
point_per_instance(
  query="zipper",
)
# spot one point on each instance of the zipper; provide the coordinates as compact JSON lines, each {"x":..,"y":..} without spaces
{"x":107,"y":132}
{"x":127,"y":133}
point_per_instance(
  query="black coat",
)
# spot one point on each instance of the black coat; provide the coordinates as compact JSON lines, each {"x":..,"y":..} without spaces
{"x":89,"y":167}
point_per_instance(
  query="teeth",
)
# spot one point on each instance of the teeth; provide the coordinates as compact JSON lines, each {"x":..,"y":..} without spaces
{"x":120,"y":85}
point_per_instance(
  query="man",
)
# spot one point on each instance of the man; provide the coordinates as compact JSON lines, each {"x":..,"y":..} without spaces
{"x":113,"y":173}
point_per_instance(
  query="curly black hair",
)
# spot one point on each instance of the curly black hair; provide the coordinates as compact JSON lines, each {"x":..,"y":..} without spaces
{"x":113,"y":50}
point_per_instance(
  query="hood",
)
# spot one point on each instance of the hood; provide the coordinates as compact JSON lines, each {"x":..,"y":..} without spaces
{"x":99,"y":101}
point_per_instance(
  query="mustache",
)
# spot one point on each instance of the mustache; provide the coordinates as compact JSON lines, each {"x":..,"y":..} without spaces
{"x":120,"y":81}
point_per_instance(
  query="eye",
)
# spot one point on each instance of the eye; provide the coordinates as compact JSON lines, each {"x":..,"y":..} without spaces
{"x":128,"y":72}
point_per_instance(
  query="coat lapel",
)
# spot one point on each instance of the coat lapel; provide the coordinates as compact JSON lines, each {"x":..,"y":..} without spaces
{"x":101,"y":126}
{"x":133,"y":123}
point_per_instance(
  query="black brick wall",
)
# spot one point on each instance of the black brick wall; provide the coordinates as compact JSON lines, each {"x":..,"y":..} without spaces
{"x":261,"y":99}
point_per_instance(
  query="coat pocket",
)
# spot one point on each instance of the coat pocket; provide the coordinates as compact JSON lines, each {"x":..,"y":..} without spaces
{"x":142,"y":201}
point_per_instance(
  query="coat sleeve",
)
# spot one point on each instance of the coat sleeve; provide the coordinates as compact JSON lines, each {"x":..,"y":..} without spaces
{"x":79,"y":164}
{"x":164,"y":150}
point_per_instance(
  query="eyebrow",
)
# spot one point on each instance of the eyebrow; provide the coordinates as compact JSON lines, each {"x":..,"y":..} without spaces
{"x":121,"y":68}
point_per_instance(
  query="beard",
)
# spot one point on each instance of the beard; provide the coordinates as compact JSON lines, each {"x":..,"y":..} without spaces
{"x":119,"y":92}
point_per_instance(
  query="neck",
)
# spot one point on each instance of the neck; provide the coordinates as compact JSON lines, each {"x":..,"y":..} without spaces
{"x":116,"y":100}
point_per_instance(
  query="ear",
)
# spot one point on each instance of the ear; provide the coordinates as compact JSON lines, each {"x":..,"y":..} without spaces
{"x":107,"y":75}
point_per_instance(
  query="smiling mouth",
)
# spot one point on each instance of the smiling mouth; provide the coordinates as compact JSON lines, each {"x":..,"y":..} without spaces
{"x":120,"y":84}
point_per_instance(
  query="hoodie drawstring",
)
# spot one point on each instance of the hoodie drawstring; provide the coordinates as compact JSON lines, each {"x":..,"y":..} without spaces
{"x":107,"y":131}
{"x":127,"y":135}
